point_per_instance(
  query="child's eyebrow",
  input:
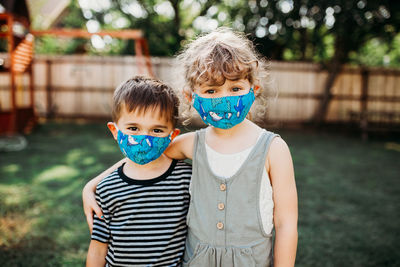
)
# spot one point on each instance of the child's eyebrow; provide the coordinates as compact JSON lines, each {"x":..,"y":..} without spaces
{"x":153,"y":126}
{"x":160,"y":126}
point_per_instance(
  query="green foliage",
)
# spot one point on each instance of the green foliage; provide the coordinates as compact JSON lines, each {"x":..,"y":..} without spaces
{"x":375,"y":52}
{"x":308,"y":30}
{"x":319,"y":31}
{"x":74,"y":17}
{"x":54,"y":45}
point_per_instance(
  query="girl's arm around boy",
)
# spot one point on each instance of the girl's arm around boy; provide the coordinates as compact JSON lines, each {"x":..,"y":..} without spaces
{"x":89,"y":202}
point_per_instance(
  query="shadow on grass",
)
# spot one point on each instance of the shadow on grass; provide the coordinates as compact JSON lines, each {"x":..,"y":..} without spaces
{"x":349,"y":197}
{"x":40,"y":194}
{"x":349,"y":200}
{"x":31,"y":251}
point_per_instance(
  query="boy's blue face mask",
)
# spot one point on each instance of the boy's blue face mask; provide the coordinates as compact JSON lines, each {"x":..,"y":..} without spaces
{"x":142,"y":149}
{"x":224,"y":112}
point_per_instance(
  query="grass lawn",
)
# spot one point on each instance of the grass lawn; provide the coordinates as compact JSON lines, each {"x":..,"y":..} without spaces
{"x":349,"y":197}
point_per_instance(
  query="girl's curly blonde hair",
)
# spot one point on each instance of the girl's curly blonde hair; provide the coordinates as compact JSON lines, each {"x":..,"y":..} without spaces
{"x":223,"y":54}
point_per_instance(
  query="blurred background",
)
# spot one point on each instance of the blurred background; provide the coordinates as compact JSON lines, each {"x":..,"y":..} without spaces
{"x":334,"y":97}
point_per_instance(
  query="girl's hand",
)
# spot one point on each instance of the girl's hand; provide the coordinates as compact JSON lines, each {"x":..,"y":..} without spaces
{"x":89,"y":197}
{"x":90,"y":205}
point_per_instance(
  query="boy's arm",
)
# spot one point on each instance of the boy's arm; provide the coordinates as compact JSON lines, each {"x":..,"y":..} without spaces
{"x":181,"y":147}
{"x":96,"y":254}
{"x":280,"y":168}
{"x":101,"y":235}
{"x":88,"y":194}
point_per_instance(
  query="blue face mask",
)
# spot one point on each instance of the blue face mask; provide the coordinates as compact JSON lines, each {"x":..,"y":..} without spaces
{"x":142,"y":149}
{"x":224,"y":112}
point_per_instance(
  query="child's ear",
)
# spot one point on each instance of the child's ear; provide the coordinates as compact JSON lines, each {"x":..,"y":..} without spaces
{"x":113,"y":129}
{"x":175,"y":133}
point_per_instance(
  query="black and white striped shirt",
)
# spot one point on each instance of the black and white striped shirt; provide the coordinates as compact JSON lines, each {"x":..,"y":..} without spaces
{"x":144,"y":220}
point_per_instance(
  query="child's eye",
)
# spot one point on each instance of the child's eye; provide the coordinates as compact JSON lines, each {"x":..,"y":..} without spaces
{"x":133,"y":129}
{"x":158,"y":131}
{"x":236,"y":89}
{"x":210,"y":91}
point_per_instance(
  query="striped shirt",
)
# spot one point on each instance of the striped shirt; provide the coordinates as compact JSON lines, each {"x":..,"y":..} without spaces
{"x":144,"y":220}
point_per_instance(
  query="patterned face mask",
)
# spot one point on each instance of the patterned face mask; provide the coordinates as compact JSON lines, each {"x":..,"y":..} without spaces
{"x":224,"y":112}
{"x":142,"y":149}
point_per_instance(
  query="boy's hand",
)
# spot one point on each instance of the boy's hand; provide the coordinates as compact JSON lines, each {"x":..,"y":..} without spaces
{"x":90,"y":205}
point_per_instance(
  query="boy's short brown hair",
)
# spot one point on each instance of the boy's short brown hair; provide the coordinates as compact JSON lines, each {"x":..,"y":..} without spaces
{"x":141,"y":94}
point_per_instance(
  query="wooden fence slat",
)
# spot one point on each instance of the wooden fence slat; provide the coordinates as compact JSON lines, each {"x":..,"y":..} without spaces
{"x":83,"y":85}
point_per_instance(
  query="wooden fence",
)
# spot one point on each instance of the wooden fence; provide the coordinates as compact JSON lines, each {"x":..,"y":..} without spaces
{"x":81,"y":86}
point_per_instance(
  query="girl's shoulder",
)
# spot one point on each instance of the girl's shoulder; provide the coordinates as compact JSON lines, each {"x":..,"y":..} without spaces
{"x":279,"y":153}
{"x":277,"y":144}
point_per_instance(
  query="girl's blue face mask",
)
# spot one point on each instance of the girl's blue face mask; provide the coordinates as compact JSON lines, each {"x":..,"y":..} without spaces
{"x":142,"y":149}
{"x":224,"y":112}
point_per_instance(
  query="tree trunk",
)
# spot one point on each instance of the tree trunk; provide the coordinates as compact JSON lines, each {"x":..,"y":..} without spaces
{"x":333,"y":68}
{"x":177,"y":17}
{"x":322,"y":110}
{"x":303,"y":43}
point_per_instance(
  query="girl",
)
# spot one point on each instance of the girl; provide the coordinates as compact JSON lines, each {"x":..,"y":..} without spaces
{"x":243,"y":180}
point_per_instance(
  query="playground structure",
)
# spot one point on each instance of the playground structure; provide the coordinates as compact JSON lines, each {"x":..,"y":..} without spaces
{"x":16,"y":117}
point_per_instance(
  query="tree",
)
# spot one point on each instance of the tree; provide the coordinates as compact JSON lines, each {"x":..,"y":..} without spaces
{"x":163,"y":22}
{"x":303,"y":26}
{"x":331,"y":32}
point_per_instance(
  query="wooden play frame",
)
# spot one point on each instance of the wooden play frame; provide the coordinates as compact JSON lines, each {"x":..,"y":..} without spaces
{"x":18,"y":119}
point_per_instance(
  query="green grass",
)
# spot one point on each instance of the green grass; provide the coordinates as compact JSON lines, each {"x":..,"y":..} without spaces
{"x":349,"y":197}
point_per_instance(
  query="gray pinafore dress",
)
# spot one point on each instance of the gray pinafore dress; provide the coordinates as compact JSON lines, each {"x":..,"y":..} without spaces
{"x":224,"y":221}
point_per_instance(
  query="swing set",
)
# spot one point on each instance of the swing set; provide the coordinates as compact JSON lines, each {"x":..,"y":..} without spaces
{"x":16,"y":116}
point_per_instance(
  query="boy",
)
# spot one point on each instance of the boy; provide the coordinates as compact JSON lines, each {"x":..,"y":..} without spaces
{"x":145,"y":201}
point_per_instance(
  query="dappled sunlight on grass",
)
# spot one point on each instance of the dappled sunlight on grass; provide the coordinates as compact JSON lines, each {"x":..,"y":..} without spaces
{"x":57,"y":173}
{"x":10,"y":168}
{"x":349,"y":197}
{"x":75,"y":156}
{"x":15,"y":200}
{"x":40,"y":194}
{"x":392,"y":146}
{"x":69,"y":189}
{"x":88,"y":161}
{"x":13,"y":196}
{"x":107,"y":147}
{"x":13,"y":228}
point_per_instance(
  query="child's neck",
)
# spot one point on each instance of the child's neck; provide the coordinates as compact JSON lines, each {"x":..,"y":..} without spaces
{"x":233,"y":140}
{"x":236,"y":130}
{"x":147,"y":171}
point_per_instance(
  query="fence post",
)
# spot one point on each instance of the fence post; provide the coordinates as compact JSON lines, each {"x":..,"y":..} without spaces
{"x":364,"y":104}
{"x":49,"y":104}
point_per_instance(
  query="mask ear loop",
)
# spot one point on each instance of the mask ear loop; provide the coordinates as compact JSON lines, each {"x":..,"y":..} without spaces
{"x":249,"y":115}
